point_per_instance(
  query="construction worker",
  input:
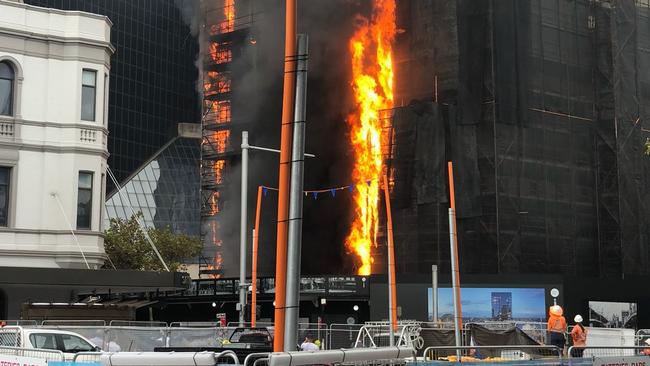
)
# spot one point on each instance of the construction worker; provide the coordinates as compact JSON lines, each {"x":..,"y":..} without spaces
{"x":578,"y":336}
{"x":556,"y":326}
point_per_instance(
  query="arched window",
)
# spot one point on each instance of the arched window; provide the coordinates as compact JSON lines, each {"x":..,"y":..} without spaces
{"x":7,"y":78}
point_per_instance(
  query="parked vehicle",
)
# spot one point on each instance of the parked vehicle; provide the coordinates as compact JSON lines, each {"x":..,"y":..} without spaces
{"x":46,"y":339}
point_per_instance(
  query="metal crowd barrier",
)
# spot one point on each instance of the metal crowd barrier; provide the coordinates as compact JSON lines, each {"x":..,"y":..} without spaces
{"x":591,"y":352}
{"x":204,"y":358}
{"x":493,"y":353}
{"x":46,"y":354}
{"x":355,"y":356}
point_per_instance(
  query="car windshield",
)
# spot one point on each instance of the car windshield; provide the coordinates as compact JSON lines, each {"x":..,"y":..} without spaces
{"x":74,"y":344}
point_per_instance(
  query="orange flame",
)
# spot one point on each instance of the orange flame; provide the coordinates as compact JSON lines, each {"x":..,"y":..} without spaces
{"x":229,"y":12}
{"x":372,"y":85}
{"x":216,"y":86}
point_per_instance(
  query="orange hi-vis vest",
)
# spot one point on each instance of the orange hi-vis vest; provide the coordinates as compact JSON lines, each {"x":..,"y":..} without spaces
{"x":556,"y":324}
{"x":579,"y":336}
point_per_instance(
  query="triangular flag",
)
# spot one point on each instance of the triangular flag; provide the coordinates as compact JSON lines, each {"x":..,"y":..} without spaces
{"x":351,"y":188}
{"x":368,"y":182}
{"x":315,"y":194}
{"x":265,"y":191}
{"x":333,"y":192}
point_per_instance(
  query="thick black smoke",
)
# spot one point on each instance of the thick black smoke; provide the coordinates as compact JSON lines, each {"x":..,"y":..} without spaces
{"x":257,"y":90}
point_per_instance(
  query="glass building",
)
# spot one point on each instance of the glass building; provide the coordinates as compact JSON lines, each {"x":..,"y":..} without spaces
{"x":165,"y":189}
{"x":501,"y":305}
{"x":152,"y":77}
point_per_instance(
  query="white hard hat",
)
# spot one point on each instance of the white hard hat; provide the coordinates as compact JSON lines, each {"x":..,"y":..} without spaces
{"x":647,"y":341}
{"x":578,"y":319}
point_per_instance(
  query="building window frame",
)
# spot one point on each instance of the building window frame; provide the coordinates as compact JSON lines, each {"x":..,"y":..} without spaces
{"x":90,"y":116}
{"x":11,"y":78}
{"x":85,"y":222}
{"x":7,"y":184}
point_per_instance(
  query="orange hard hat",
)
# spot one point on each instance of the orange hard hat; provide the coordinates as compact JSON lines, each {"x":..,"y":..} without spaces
{"x":556,"y":310}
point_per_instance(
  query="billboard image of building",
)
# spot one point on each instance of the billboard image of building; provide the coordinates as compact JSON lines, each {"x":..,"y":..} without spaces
{"x":501,"y":305}
{"x":492,"y":304}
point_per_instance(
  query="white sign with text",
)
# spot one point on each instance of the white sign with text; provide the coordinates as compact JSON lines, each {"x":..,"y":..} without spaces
{"x":622,"y":361}
{"x":9,"y":360}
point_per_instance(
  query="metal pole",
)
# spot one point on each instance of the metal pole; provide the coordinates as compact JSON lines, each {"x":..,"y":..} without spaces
{"x":284,"y":173}
{"x":434,"y":291}
{"x":454,"y":270}
{"x":453,"y":243}
{"x":243,"y":231}
{"x":392,"y":290}
{"x":296,"y":199}
{"x":256,"y":239}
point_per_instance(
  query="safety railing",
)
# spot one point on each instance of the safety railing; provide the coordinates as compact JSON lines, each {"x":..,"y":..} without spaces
{"x":46,"y":354}
{"x":355,"y":356}
{"x":493,"y":353}
{"x":73,"y":323}
{"x":342,"y":336}
{"x":379,"y":335}
{"x":255,"y":359}
{"x":25,"y":323}
{"x":607,"y":351}
{"x":87,"y":357}
{"x":133,"y":323}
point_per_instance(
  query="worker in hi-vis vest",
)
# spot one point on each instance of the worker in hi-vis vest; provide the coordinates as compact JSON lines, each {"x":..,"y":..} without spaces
{"x":556,"y":326}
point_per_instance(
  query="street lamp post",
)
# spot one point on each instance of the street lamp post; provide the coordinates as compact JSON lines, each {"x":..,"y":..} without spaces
{"x":243,"y":224}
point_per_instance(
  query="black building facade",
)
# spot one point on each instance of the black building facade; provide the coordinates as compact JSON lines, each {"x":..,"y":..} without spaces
{"x":542,"y":105}
{"x":152,"y":77}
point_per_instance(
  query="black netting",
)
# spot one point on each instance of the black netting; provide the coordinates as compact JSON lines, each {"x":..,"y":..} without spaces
{"x":546,"y":127}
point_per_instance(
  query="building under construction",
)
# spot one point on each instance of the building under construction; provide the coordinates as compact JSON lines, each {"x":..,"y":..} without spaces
{"x":543,"y":106}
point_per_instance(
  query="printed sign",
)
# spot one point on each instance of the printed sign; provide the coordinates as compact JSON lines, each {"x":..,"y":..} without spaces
{"x":622,"y":361}
{"x":8,"y":360}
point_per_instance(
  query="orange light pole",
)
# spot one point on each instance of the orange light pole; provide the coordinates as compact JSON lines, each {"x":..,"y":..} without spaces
{"x":286,"y":139}
{"x":256,"y":237}
{"x":455,"y":270}
{"x":392,"y":290}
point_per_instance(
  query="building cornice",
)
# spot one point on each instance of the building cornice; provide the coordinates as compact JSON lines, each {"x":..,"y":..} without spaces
{"x":58,"y":11}
{"x":50,"y":232}
{"x":26,"y":122}
{"x":55,"y":149}
{"x":49,"y":38}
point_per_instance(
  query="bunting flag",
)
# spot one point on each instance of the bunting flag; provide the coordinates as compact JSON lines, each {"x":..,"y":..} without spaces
{"x":315,"y":192}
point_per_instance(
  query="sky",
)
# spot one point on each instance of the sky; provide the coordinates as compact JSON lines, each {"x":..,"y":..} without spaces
{"x":476,"y":302}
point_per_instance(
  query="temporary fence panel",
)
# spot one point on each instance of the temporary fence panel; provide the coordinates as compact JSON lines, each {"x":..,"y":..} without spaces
{"x":611,"y":354}
{"x":136,"y":339}
{"x":45,"y":354}
{"x":95,"y":334}
{"x":249,"y":324}
{"x":22,"y":323}
{"x":342,"y":336}
{"x":87,"y":357}
{"x":73,"y":323}
{"x":599,"y":337}
{"x":492,"y":353}
{"x":195,"y":337}
{"x":131,"y":323}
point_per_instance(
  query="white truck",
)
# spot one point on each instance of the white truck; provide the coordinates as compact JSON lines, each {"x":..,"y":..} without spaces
{"x":45,"y":339}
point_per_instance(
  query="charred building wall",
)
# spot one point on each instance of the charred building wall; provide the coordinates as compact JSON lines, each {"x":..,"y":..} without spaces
{"x":542,"y":105}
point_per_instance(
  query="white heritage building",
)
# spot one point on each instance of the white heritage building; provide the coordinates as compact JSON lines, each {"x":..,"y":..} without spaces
{"x":54,"y":68}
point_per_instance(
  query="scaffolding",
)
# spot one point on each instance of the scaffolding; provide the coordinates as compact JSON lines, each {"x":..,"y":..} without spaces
{"x":541,"y":105}
{"x":223,"y":37}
